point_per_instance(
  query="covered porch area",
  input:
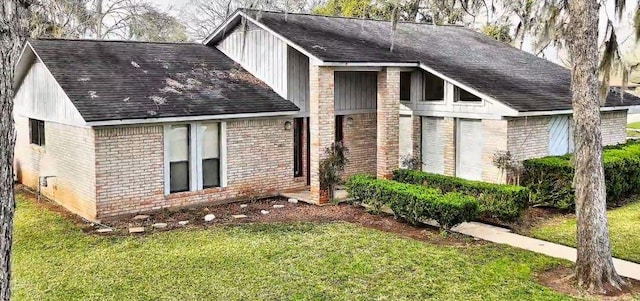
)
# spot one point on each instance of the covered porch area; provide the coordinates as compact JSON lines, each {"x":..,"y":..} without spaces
{"x":370,"y":133}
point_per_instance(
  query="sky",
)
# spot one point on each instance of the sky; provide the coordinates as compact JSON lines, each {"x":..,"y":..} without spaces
{"x":166,"y":4}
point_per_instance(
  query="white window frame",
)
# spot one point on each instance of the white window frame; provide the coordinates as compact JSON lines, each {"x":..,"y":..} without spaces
{"x":195,"y":155}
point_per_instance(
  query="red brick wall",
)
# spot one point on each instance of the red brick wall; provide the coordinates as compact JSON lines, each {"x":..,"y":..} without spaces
{"x":360,"y":139}
{"x":129,"y":167}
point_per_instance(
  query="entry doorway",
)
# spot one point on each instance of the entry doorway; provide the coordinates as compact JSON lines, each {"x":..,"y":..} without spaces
{"x":301,"y":148}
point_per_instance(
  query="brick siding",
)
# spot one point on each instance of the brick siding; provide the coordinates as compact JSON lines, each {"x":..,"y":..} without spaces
{"x":449,"y":128}
{"x":130,"y":173}
{"x":68,"y":154}
{"x":360,"y":139}
{"x":614,"y":127}
{"x":388,"y":108}
{"x":321,"y":123}
{"x":528,"y":137}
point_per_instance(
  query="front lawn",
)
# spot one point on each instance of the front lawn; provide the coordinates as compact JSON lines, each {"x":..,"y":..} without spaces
{"x":55,"y":260}
{"x":624,"y":226}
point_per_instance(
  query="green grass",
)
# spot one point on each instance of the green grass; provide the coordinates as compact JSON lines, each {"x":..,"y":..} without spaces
{"x":633,"y":125}
{"x":624,"y":229}
{"x":54,"y":260}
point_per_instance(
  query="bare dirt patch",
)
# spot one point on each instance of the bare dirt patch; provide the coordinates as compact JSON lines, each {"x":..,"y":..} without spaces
{"x":288,"y":213}
{"x":562,"y":279}
{"x":534,"y":216}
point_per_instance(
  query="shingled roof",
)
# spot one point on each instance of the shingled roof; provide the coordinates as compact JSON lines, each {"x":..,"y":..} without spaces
{"x":516,"y":78}
{"x":115,"y":80}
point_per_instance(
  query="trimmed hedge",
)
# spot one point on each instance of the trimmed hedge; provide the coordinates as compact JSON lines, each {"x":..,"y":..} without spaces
{"x":415,"y":203}
{"x":550,"y":179}
{"x":504,"y":202}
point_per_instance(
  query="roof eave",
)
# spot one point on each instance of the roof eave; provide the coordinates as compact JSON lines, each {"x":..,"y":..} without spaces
{"x":178,"y":119}
{"x":570,"y":111}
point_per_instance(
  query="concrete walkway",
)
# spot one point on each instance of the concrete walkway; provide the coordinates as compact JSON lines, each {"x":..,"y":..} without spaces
{"x":505,"y":236}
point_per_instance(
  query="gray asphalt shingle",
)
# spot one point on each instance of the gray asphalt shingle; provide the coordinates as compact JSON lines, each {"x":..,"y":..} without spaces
{"x":514,"y":77}
{"x":115,"y":80}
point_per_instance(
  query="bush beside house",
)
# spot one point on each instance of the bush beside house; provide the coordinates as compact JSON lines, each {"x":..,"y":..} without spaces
{"x":504,"y":202}
{"x":415,"y":203}
{"x":550,"y":179}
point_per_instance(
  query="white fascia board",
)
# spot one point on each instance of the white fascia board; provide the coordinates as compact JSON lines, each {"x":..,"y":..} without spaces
{"x":222,"y":28}
{"x":21,"y":75}
{"x":367,"y":64}
{"x":565,"y":112}
{"x":189,"y":119}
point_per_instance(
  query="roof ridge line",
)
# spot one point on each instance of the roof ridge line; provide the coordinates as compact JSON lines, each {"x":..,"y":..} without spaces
{"x":344,"y":17}
{"x":113,"y":41}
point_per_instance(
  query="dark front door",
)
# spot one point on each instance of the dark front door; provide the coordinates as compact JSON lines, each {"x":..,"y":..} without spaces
{"x":308,"y":164}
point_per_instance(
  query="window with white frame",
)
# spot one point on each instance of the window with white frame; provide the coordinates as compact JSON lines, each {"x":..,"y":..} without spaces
{"x":193,"y":156}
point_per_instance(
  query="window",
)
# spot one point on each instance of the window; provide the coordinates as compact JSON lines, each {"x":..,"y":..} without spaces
{"x":179,"y":167}
{"x":193,"y":156}
{"x":433,"y":87}
{"x":463,"y":95}
{"x":36,"y":131}
{"x":298,"y":127}
{"x":210,"y":155}
{"x":339,"y":128}
{"x":405,"y":86}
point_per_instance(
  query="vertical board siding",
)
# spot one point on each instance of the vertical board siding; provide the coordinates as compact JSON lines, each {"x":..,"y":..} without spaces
{"x":41,"y":97}
{"x":416,"y":86}
{"x":355,"y":91}
{"x":298,"y":79}
{"x":559,"y":135}
{"x":260,"y":53}
{"x":433,"y":144}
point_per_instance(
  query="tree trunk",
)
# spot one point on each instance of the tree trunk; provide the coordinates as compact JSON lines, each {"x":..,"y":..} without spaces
{"x":594,"y":266}
{"x":13,"y":30}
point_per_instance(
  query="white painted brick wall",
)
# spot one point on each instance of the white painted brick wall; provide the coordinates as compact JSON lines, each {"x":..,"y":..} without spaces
{"x":68,"y":155}
{"x":614,"y":127}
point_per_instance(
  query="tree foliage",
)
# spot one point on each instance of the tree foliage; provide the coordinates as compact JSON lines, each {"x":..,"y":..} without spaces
{"x":499,"y":32}
{"x":104,"y":19}
{"x":202,"y":17}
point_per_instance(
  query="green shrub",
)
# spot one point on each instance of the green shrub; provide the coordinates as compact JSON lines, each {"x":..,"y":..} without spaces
{"x":550,"y":179}
{"x":504,"y":202}
{"x":414,"y":203}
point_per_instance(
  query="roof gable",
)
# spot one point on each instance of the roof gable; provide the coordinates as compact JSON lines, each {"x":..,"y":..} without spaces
{"x":474,"y":61}
{"x":116,"y":80}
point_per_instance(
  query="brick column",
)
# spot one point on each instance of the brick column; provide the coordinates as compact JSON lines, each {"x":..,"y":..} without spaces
{"x":388,"y":121}
{"x":417,"y":137}
{"x":449,"y":146}
{"x":321,"y":124}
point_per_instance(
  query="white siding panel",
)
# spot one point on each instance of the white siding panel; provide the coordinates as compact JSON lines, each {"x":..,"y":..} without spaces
{"x":433,"y":142}
{"x":405,"y":140}
{"x":41,"y":97}
{"x":355,"y":91}
{"x":260,"y":53}
{"x":469,"y":149}
{"x":559,"y":135}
